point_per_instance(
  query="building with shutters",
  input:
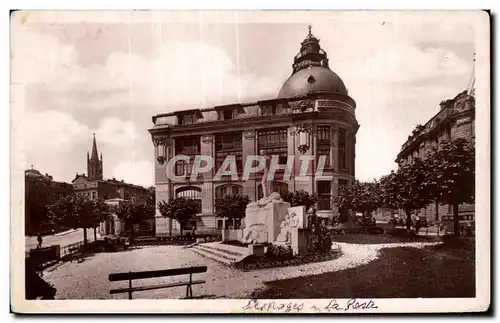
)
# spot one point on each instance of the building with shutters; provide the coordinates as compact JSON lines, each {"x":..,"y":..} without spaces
{"x":455,"y":119}
{"x":312,"y":115}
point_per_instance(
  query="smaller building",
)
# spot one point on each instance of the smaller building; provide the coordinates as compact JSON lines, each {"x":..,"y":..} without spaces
{"x":94,"y":186}
{"x":112,"y":226}
{"x":40,"y":191}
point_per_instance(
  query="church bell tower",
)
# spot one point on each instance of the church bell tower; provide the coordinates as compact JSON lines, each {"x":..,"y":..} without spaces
{"x":94,"y":165}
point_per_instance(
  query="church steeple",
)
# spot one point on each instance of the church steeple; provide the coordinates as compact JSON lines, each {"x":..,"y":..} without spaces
{"x":94,"y":149}
{"x":94,"y":165}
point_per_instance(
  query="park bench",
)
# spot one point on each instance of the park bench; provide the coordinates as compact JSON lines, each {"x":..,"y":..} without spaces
{"x":155,"y":274}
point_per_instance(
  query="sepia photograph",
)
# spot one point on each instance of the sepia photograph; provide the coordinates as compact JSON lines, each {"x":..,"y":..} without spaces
{"x":250,"y":161}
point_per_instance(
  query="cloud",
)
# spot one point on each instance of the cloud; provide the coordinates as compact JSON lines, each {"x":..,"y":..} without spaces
{"x":52,"y":131}
{"x":138,"y":172}
{"x":396,"y":81}
{"x":118,"y":133}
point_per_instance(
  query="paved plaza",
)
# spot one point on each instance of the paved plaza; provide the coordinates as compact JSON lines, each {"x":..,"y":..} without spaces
{"x":89,"y":279}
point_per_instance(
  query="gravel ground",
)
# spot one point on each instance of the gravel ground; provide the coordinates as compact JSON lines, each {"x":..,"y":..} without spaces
{"x":89,"y":279}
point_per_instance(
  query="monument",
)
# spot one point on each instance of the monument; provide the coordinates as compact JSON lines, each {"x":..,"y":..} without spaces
{"x":263,"y":217}
{"x":267,"y":185}
{"x":272,"y":220}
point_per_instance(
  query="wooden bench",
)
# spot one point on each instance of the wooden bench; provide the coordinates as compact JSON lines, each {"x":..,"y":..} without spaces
{"x":155,"y":274}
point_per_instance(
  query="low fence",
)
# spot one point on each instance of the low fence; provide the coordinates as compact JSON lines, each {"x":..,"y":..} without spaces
{"x":71,"y":248}
{"x":40,"y":256}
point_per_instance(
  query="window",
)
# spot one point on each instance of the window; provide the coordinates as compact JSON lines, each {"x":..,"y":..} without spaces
{"x":342,"y":149}
{"x":270,"y":109}
{"x":274,"y":142}
{"x":324,"y":145}
{"x":187,"y":119}
{"x":225,"y":190}
{"x":189,"y":146}
{"x":228,"y":144}
{"x":450,"y":208}
{"x":324,"y":195}
{"x":94,"y":195}
{"x":191,"y":192}
{"x":228,"y":114}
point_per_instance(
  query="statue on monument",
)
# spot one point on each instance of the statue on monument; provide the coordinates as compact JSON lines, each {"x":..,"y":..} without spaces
{"x":267,"y":185}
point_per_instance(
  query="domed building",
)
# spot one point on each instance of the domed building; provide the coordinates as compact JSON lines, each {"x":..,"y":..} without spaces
{"x":312,"y":118}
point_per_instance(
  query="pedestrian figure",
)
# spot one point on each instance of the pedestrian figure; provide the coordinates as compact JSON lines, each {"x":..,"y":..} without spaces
{"x":39,"y":238}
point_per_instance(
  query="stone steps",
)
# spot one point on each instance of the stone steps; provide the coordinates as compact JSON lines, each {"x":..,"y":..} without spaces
{"x":221,"y":253}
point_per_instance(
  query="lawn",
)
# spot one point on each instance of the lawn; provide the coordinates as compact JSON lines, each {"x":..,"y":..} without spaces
{"x":444,"y":271}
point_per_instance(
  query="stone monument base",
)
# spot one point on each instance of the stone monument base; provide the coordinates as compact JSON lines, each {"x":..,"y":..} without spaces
{"x":263,"y":218}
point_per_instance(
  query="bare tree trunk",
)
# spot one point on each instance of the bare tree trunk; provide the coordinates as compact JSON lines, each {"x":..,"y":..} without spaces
{"x":437,"y":211}
{"x":95,"y":234}
{"x":408,"y":220}
{"x":84,"y":235}
{"x":456,"y":220}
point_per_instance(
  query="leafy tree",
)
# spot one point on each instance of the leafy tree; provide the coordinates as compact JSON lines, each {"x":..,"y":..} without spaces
{"x":406,"y":188}
{"x":100,"y":210}
{"x":181,"y":209}
{"x":75,"y":212}
{"x":231,"y":206}
{"x":151,"y":196}
{"x":361,"y":197}
{"x":453,"y":170}
{"x":134,"y":213}
{"x":299,"y":198}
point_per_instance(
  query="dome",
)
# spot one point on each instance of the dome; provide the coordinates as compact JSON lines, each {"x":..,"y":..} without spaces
{"x":315,"y":79}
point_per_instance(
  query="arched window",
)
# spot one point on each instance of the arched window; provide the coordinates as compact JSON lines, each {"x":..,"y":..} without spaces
{"x":230,"y":189}
{"x":279,"y":187}
{"x":192,"y":192}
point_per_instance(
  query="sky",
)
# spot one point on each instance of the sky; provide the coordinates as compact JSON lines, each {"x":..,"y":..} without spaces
{"x":83,"y":76}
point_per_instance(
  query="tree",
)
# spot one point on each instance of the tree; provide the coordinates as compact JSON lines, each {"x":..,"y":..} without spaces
{"x":299,"y":198}
{"x":151,"y":196}
{"x":361,"y":197}
{"x":100,"y":210}
{"x":406,"y":189}
{"x":75,"y":212}
{"x":134,"y":213}
{"x":181,"y":209}
{"x":231,"y":206}
{"x":453,"y":169}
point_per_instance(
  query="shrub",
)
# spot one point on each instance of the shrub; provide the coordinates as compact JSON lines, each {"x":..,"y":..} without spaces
{"x":321,"y":239}
{"x":279,"y":252}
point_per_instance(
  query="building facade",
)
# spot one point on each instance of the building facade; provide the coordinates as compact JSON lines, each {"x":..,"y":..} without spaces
{"x":40,"y":191}
{"x":455,"y":119}
{"x":94,"y":186}
{"x":312,"y":117}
